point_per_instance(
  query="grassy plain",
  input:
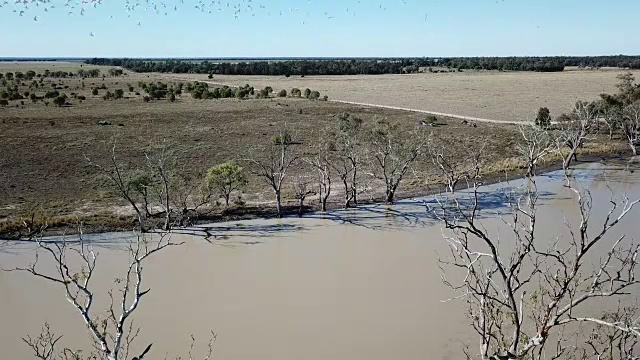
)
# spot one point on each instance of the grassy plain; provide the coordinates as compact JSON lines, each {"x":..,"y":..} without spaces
{"x":41,"y":66}
{"x":508,"y":96}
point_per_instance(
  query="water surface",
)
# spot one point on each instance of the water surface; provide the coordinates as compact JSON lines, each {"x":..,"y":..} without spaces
{"x":358,"y":284}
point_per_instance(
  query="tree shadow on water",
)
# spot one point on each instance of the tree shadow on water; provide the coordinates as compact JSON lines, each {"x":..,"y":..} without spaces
{"x":238,"y":233}
{"x":427,"y":211}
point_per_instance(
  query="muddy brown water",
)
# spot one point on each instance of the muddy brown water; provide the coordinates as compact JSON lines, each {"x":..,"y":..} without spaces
{"x":360,"y":284}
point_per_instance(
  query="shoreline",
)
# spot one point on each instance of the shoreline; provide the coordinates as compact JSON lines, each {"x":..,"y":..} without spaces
{"x":115,"y":223}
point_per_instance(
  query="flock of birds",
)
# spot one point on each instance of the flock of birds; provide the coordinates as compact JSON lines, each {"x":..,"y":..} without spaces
{"x":235,"y":8}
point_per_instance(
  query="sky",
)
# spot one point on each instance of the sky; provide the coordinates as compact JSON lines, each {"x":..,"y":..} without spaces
{"x":314,"y":28}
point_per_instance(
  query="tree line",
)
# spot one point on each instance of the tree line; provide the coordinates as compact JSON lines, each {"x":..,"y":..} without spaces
{"x":369,"y":66}
{"x":351,"y":154}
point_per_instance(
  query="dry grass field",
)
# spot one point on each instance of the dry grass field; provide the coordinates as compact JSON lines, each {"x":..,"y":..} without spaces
{"x":507,"y":96}
{"x":41,"y":66}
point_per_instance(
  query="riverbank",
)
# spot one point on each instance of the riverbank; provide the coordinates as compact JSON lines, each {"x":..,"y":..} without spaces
{"x":103,"y":220}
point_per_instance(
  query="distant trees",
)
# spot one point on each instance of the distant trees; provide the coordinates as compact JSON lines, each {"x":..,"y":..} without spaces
{"x":4,"y":102}
{"x":118,"y":94}
{"x":86,"y":73}
{"x":156,"y":90}
{"x":307,"y":93}
{"x":115,"y":72}
{"x":295,"y":92}
{"x":282,"y":93}
{"x":370,"y":66}
{"x":94,"y":92}
{"x":225,"y":178}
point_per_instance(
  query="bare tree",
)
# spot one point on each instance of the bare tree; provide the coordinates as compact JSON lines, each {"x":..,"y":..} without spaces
{"x":536,"y":144}
{"x":393,"y":154}
{"x":161,"y":163}
{"x":611,"y":117}
{"x":120,"y":179}
{"x":344,"y":169}
{"x":141,"y":183}
{"x":322,"y":165}
{"x":577,"y":130}
{"x":631,"y":125}
{"x":523,"y":295}
{"x":113,"y":334}
{"x":44,"y":344}
{"x":302,"y":187}
{"x":273,"y":163}
{"x":349,"y":155}
{"x":189,"y":194}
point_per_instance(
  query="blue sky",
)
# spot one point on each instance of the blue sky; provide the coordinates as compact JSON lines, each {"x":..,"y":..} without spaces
{"x":314,"y":28}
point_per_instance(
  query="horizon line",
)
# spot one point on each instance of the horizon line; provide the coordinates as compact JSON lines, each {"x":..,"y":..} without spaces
{"x":78,"y":58}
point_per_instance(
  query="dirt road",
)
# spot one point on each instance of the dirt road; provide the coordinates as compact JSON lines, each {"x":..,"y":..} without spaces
{"x":468,"y":118}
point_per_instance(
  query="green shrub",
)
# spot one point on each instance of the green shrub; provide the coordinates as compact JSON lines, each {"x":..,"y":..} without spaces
{"x":543,"y":118}
{"x":59,"y":101}
{"x":282,"y":139}
{"x":225,"y":178}
{"x":51,"y":94}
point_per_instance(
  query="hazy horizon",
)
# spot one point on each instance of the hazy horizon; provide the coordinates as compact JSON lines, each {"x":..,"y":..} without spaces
{"x":315,"y":29}
{"x":250,"y":58}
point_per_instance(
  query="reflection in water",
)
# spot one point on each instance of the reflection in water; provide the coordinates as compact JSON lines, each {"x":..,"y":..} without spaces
{"x":349,"y":284}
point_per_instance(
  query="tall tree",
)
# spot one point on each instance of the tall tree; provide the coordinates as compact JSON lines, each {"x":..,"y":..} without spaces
{"x":393,"y":154}
{"x":273,"y":163}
